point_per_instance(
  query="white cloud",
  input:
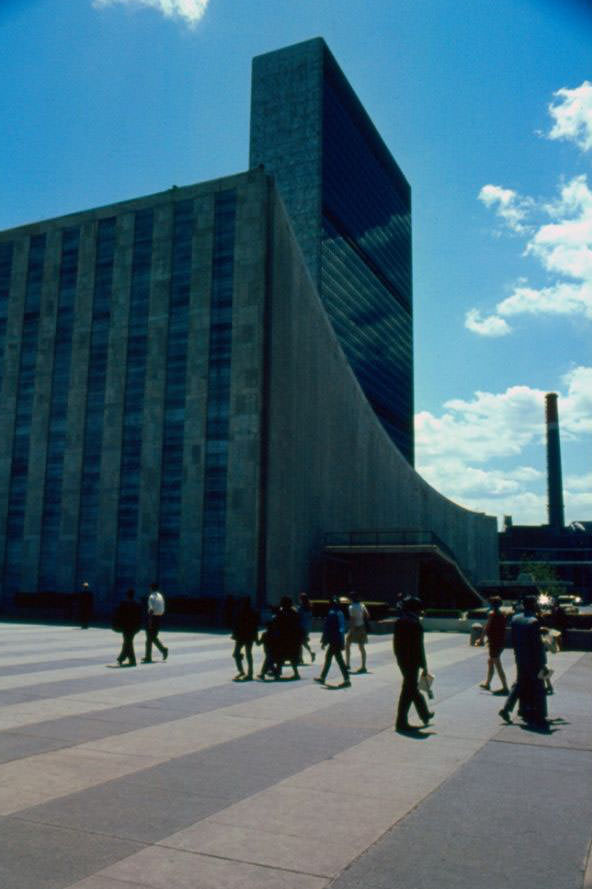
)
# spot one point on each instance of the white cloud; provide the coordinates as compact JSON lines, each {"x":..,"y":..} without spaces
{"x":577,"y":500}
{"x":492,"y":325}
{"x":563,"y":249}
{"x":572,"y":115}
{"x":488,"y":427}
{"x":578,"y":483}
{"x":474,"y":451}
{"x":189,"y":11}
{"x":508,"y":205}
{"x":576,"y":406}
{"x":558,"y":233}
{"x":559,"y":299}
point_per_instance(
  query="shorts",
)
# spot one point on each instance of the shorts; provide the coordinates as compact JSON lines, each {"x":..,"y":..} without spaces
{"x":357,"y":635}
{"x":495,"y":650}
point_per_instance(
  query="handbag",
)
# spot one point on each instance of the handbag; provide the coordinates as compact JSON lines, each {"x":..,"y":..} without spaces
{"x":425,"y":682}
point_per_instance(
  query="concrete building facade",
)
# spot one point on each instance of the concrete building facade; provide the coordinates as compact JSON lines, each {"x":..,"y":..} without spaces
{"x":185,"y":396}
{"x":178,"y":406}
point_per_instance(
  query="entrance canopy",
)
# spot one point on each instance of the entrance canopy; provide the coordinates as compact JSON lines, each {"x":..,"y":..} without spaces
{"x":383,"y":565}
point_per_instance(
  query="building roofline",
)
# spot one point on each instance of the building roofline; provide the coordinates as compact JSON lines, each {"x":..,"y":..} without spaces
{"x":180,"y":192}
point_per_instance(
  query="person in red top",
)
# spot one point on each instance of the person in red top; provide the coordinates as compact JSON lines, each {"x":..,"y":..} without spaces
{"x":495,"y":632}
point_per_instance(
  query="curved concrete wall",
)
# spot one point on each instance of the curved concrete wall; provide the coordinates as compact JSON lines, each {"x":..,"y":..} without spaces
{"x":330,"y":465}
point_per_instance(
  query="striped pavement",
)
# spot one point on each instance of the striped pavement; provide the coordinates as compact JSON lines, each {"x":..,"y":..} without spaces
{"x":169,"y":775}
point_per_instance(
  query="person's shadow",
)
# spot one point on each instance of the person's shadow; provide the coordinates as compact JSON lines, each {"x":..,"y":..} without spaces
{"x":546,"y":728}
{"x":417,"y":732}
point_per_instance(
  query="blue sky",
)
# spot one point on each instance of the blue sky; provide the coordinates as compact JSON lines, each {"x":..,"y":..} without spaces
{"x":487,"y":108}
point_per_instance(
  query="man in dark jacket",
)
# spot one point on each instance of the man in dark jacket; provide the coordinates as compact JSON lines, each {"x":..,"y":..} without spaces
{"x":410,"y":655}
{"x":128,"y":619}
{"x":333,"y":640}
{"x":288,"y":638}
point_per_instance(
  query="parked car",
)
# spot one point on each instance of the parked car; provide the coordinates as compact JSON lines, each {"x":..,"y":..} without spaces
{"x":570,"y":603}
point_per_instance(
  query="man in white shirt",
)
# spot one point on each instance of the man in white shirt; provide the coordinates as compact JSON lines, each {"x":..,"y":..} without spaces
{"x":358,"y":617}
{"x":153,"y":621}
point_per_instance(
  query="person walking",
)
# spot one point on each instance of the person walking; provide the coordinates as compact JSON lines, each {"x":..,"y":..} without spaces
{"x":531,"y":663}
{"x":155,"y":612}
{"x":128,"y":620}
{"x":495,"y":633}
{"x":268,"y":640}
{"x":357,"y":632}
{"x":288,"y":632}
{"x":333,"y":640}
{"x":305,"y":617}
{"x":410,"y":654}
{"x":245,"y":633}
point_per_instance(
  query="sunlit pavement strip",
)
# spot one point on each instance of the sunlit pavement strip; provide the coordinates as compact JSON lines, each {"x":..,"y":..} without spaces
{"x":29,"y":782}
{"x":34,"y":711}
{"x":301,"y":830}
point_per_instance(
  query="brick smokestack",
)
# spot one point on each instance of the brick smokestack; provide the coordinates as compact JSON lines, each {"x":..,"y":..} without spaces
{"x":554,"y":481}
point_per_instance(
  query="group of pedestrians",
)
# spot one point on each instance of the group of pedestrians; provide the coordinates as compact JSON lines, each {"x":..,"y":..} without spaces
{"x":128,"y":619}
{"x":287,"y":636}
{"x":530,"y":640}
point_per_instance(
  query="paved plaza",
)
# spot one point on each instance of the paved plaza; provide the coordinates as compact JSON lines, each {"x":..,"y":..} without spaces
{"x":170,"y":776}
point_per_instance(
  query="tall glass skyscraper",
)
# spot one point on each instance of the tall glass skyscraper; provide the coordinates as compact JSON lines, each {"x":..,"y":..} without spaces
{"x":350,"y":206}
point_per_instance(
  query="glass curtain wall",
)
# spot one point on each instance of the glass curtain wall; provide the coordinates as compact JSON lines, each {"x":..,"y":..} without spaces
{"x":366,"y":261}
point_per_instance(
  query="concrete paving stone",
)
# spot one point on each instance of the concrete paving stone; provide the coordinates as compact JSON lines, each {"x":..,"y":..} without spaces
{"x":28,"y":782}
{"x":214,"y":774}
{"x":159,"y":868}
{"x":395,"y":769}
{"x":18,"y":745}
{"x":91,"y":703}
{"x":134,"y":811}
{"x":305,"y":812}
{"x":18,"y":653}
{"x":99,"y":882}
{"x":179,"y":737}
{"x":164,"y":742}
{"x":22,"y":650}
{"x":53,"y":734}
{"x":83,"y":700}
{"x":15,"y":696}
{"x":272,"y":755}
{"x":103,"y":699}
{"x":49,"y":680}
{"x":320,"y":855}
{"x":497,"y":823}
{"x":42,"y":856}
{"x":574,"y":729}
{"x":86,"y":765}
{"x":16,"y":669}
